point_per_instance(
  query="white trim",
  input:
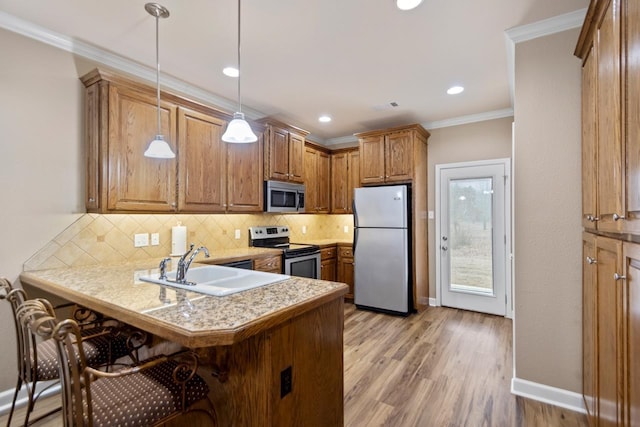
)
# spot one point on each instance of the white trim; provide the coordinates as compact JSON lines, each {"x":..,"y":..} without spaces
{"x":547,"y":394}
{"x":432,"y":302}
{"x":118,"y":62}
{"x":471,"y":118}
{"x":506,"y":162}
{"x":534,"y":30}
{"x":6,"y":396}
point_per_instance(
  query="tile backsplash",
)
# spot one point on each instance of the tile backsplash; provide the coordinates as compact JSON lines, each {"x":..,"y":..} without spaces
{"x":102,"y":239}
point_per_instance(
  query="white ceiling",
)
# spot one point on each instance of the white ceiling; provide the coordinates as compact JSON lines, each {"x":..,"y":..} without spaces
{"x":301,"y":59}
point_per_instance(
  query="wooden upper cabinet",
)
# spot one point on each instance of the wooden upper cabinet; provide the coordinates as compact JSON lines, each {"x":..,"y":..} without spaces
{"x":610,"y":155}
{"x":244,"y":176}
{"x":345,"y":176}
{"x":398,"y":156}
{"x":391,"y":155}
{"x":589,"y":140}
{"x":283,"y":152}
{"x":202,"y":168}
{"x":207,"y":175}
{"x":372,"y":159}
{"x":317,"y":180}
{"x":296,"y":157}
{"x":121,"y":122}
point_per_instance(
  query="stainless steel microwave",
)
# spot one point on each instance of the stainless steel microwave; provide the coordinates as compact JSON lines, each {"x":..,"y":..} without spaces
{"x":283,"y":197}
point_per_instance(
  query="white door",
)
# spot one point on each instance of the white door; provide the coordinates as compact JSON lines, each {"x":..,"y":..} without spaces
{"x":472,"y":235}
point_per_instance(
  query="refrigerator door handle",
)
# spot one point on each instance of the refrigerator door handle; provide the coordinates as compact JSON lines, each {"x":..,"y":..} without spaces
{"x":355,"y":214}
{"x":355,"y":240}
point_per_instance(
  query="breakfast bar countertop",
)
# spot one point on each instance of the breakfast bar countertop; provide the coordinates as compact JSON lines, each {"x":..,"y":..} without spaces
{"x":191,"y":319}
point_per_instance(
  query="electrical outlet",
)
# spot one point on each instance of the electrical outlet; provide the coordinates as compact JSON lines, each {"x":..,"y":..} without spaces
{"x":346,"y":228}
{"x":285,"y":382}
{"x":155,"y":239}
{"x":237,"y":233}
{"x":432,"y":215}
{"x":141,"y":240}
{"x":304,"y":229}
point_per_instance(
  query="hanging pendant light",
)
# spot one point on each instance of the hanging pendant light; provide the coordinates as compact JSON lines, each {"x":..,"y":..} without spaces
{"x":238,"y":130}
{"x":158,"y":148}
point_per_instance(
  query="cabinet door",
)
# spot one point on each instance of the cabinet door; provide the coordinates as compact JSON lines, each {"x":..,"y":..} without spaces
{"x":609,"y":293}
{"x":138,"y":183}
{"x":323,"y":182}
{"x":296,"y":158}
{"x":610,"y":160}
{"x":345,"y":269}
{"x":244,"y":177}
{"x":372,"y":159}
{"x":278,"y":155}
{"x":339,"y":183}
{"x":202,"y":164}
{"x":631,"y":317}
{"x":311,"y":180}
{"x":632,"y":115}
{"x":398,"y":157}
{"x":589,"y":324}
{"x":353,"y":178}
{"x":589,"y":143}
{"x":328,"y":269}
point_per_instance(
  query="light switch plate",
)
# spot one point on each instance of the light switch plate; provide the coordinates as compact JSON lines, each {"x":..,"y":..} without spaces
{"x":431,"y":215}
{"x":346,"y":228}
{"x":237,"y":233}
{"x":304,"y":229}
{"x":141,"y":240}
{"x":155,"y":239}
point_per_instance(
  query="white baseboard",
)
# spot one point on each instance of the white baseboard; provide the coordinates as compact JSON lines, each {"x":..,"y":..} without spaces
{"x":6,"y":397}
{"x":432,"y":302}
{"x":547,"y":394}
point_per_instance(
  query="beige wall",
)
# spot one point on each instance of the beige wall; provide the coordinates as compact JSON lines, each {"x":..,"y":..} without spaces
{"x":476,"y":141}
{"x":547,"y":212}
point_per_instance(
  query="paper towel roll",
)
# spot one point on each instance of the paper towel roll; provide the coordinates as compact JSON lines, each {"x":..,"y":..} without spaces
{"x":178,"y":240}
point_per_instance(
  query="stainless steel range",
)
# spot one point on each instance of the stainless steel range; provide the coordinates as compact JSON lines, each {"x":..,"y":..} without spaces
{"x":298,"y":260}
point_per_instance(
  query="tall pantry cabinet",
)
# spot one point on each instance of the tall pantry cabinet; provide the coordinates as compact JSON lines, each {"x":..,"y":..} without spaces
{"x":609,"y":46}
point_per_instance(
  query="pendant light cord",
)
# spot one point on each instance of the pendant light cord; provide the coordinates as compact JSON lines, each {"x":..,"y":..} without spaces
{"x":158,"y":70}
{"x":239,"y":73}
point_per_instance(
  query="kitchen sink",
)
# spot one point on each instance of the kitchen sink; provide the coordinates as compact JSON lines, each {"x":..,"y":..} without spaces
{"x":218,"y":280}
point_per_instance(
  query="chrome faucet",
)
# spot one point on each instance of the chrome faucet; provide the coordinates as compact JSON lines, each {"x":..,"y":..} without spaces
{"x":184,"y":264}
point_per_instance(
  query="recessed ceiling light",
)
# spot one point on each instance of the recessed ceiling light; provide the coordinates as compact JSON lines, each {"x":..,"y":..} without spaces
{"x":454,"y":90}
{"x":407,"y":4}
{"x":231,"y":72}
{"x":324,"y":119}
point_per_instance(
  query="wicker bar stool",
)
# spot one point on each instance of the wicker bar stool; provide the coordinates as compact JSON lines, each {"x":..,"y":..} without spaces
{"x":103,"y":344}
{"x":151,"y":393}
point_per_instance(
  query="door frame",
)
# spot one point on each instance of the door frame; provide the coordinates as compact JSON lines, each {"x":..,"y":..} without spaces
{"x":506,"y":162}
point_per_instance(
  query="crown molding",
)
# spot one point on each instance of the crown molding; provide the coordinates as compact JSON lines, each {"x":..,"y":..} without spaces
{"x":535,"y":30}
{"x":348,"y":139}
{"x":471,"y":118}
{"x":118,"y":62}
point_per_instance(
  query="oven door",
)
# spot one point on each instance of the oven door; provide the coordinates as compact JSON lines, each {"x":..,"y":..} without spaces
{"x":303,"y":266}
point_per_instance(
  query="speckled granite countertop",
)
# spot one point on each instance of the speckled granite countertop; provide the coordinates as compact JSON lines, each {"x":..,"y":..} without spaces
{"x":191,"y":319}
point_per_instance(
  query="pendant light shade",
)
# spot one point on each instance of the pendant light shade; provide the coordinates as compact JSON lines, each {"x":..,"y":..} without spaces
{"x":407,"y":4}
{"x":158,"y":148}
{"x":238,"y":130}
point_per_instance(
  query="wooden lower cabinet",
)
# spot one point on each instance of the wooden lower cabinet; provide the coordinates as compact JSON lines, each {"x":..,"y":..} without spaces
{"x":345,"y":268}
{"x":303,"y":355}
{"x":328,"y":263}
{"x":271,"y":264}
{"x":611,"y":331}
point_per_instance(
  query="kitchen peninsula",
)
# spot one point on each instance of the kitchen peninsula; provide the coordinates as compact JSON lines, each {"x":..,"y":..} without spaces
{"x":273,"y":355}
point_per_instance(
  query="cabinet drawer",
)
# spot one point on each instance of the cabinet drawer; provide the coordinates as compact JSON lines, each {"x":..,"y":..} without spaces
{"x":270,"y":264}
{"x":345,"y":251}
{"x":327,"y":253}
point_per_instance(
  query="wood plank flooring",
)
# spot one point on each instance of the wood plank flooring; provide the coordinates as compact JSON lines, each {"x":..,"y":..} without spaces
{"x":440,"y":368}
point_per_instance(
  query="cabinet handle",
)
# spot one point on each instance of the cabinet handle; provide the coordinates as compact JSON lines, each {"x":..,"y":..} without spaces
{"x":616,"y":276}
{"x":591,"y":260}
{"x":381,"y":177}
{"x":91,"y":199}
{"x":173,"y":205}
{"x":230,"y":204}
{"x":617,"y":217}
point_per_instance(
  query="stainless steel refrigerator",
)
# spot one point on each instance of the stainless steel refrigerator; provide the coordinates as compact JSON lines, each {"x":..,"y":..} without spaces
{"x":382,"y":249}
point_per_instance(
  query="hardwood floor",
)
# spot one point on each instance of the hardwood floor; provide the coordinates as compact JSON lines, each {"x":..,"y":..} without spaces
{"x":440,"y":368}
